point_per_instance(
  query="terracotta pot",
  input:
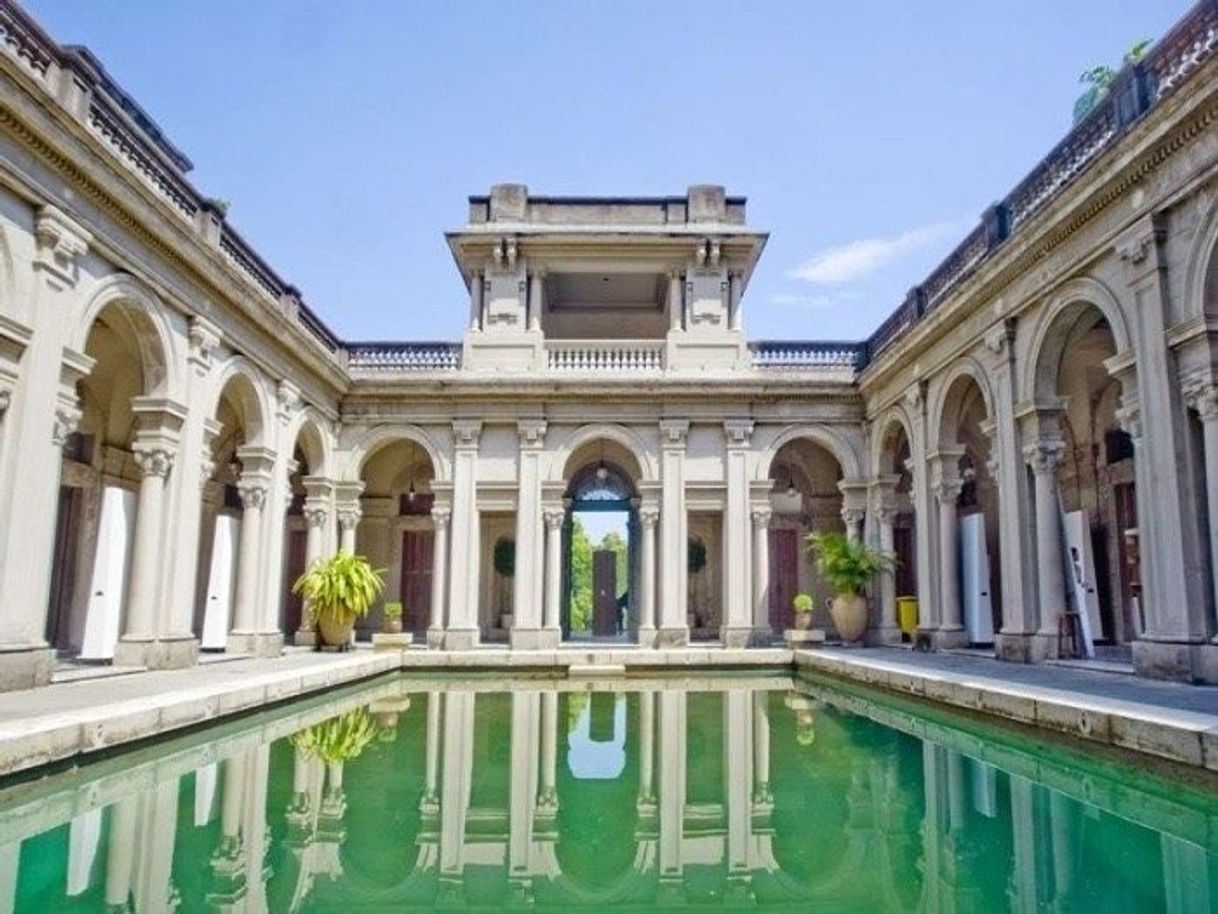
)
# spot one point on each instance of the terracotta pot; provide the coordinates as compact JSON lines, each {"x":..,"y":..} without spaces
{"x":335,"y":633}
{"x":393,"y":626}
{"x":849,"y":612}
{"x":803,"y":621}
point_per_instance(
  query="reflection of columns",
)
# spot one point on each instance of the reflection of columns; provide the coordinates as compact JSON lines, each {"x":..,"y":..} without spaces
{"x":649,"y":516}
{"x":458,"y":771}
{"x":153,"y":889}
{"x":527,"y":582}
{"x":674,"y":540}
{"x":10,"y":865}
{"x":647,"y":735}
{"x":439,"y":575}
{"x":464,"y":554}
{"x":738,"y":778}
{"x":1045,"y":456}
{"x":154,"y":462}
{"x":761,"y":570}
{"x":672,"y":782}
{"x":761,"y":749}
{"x":947,"y":488}
{"x":1025,"y":837}
{"x":554,"y":519}
{"x":431,"y":797}
{"x":120,"y":856}
{"x":547,"y":798}
{"x":523,"y":787}
{"x":1204,"y":400}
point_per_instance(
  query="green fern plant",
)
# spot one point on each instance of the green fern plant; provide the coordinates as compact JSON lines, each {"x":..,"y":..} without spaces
{"x":342,"y":587}
{"x":847,"y":565}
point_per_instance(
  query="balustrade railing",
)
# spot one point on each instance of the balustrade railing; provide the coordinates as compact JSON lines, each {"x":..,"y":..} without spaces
{"x":794,"y":355}
{"x":605,"y":355}
{"x":393,"y":357}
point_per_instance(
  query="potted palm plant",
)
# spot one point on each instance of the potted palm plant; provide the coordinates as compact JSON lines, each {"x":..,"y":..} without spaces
{"x":391,"y":614}
{"x":802,"y":607}
{"x":340,"y":738}
{"x":848,"y":566}
{"x":339,"y":590}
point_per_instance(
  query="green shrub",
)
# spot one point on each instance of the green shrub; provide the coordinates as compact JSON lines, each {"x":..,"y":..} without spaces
{"x":343,"y":587}
{"x":847,"y":565}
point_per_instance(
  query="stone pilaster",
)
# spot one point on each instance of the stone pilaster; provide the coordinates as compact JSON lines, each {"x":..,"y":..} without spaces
{"x":464,"y":553}
{"x":1203,"y":398}
{"x":761,"y":513}
{"x":947,"y":486}
{"x":673,"y":630}
{"x":1045,"y":456}
{"x":737,"y":626}
{"x":527,"y":625}
{"x":649,"y":518}
{"x":254,"y":486}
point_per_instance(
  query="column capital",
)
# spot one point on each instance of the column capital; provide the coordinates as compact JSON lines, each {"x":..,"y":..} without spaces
{"x":287,"y":401}
{"x":1202,"y":396}
{"x":853,"y":514}
{"x":253,"y":489}
{"x":532,"y":433}
{"x":673,"y":432}
{"x":440,"y":515}
{"x":554,"y":517}
{"x":649,"y":516}
{"x":886,"y":512}
{"x":761,"y":515}
{"x":67,"y":420}
{"x":316,"y":512}
{"x":153,"y":459}
{"x":1045,"y":456}
{"x":738,"y":431}
{"x":1129,"y":417}
{"x":466,"y":432}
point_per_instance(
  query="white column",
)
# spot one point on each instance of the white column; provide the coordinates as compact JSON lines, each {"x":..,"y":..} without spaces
{"x":154,"y":463}
{"x":536,"y":287}
{"x":649,"y":516}
{"x":886,"y":514}
{"x":522,"y":791}
{"x":253,"y":489}
{"x":547,"y":797}
{"x":464,"y":556}
{"x":735,"y":281}
{"x":1205,"y":401}
{"x":120,"y":855}
{"x":348,"y":523}
{"x":647,"y":737}
{"x":947,"y":491}
{"x":737,"y":624}
{"x":738,"y":778}
{"x":674,"y":540}
{"x":853,"y":517}
{"x":41,"y":412}
{"x":554,"y":519}
{"x":761,"y":749}
{"x":1045,"y":456}
{"x":672,"y":784}
{"x":527,"y":632}
{"x":761,"y":571}
{"x":317,"y":514}
{"x":676,"y":301}
{"x":458,"y":771}
{"x":475,"y":301}
{"x":430,"y":801}
{"x":439,"y":575}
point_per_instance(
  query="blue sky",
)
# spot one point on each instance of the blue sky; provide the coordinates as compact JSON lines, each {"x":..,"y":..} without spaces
{"x":867,"y":136}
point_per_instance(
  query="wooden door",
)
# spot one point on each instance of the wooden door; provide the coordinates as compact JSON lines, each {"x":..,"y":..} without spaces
{"x":604,"y":592}
{"x":294,"y":566}
{"x":784,"y":577}
{"x":416,"y":579}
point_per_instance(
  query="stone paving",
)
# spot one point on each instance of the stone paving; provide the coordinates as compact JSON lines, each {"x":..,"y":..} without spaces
{"x":69,"y":719}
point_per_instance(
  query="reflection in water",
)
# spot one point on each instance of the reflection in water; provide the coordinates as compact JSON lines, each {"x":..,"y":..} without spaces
{"x":750,"y":792}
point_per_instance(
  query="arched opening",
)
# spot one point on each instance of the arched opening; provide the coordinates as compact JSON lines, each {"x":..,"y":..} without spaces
{"x":897,"y":510}
{"x":234,"y":493}
{"x":600,"y":544}
{"x":308,"y":457}
{"x":396,"y":531}
{"x":1095,"y":479}
{"x":805,"y":496}
{"x":99,"y":482}
{"x":967,"y":490}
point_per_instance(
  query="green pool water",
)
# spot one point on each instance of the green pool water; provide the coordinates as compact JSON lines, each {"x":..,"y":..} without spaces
{"x":747,"y":792}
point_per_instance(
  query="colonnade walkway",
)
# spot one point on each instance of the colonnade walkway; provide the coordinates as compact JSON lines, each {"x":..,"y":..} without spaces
{"x":1169,"y":720}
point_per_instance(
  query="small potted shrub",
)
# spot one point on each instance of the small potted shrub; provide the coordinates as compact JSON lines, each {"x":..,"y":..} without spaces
{"x":391,"y":614}
{"x":802,"y":605}
{"x":340,"y":590}
{"x":848,"y":566}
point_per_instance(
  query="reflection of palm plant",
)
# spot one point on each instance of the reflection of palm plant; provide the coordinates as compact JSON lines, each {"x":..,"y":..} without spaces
{"x":342,"y":587}
{"x":805,"y":728}
{"x":847,"y":565}
{"x":339,"y":738}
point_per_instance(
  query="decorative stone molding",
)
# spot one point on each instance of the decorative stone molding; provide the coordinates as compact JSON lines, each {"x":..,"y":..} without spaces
{"x":61,"y":243}
{"x":1129,"y":417}
{"x":915,"y":397}
{"x":556,"y":517}
{"x":673,"y":432}
{"x":287,"y":401}
{"x":6,"y":397}
{"x":253,"y":489}
{"x":466,"y":432}
{"x":649,"y":516}
{"x":1000,"y":337}
{"x":1202,"y":396}
{"x":886,"y":512}
{"x":204,"y":340}
{"x":739,"y":432}
{"x":853,"y":515}
{"x":532,"y":432}
{"x":316,"y":512}
{"x":349,"y":515}
{"x":441,"y":515}
{"x":761,"y":515}
{"x":947,"y":490}
{"x":153,"y":460}
{"x":1137,"y":244}
{"x":67,"y":420}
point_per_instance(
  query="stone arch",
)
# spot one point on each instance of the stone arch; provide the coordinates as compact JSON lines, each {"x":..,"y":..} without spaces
{"x":830,"y":439}
{"x":1053,"y":325}
{"x":144,"y":320}
{"x":380,"y":436}
{"x":630,"y":441}
{"x":1201,"y":279}
{"x":949,"y":399}
{"x":310,"y":432}
{"x":8,"y":291}
{"x":891,"y":421}
{"x":243,"y":381}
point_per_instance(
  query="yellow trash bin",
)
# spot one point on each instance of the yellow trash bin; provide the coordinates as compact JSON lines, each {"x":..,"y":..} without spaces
{"x":907,"y":614}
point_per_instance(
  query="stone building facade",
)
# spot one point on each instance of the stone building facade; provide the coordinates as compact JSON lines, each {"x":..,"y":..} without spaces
{"x":180,"y":433}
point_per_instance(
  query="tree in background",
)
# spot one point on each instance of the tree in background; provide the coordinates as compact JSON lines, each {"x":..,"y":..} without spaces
{"x":581,"y":577}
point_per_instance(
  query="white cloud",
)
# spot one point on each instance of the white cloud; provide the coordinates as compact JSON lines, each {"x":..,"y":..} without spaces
{"x":812,"y":302}
{"x":854,"y":260}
